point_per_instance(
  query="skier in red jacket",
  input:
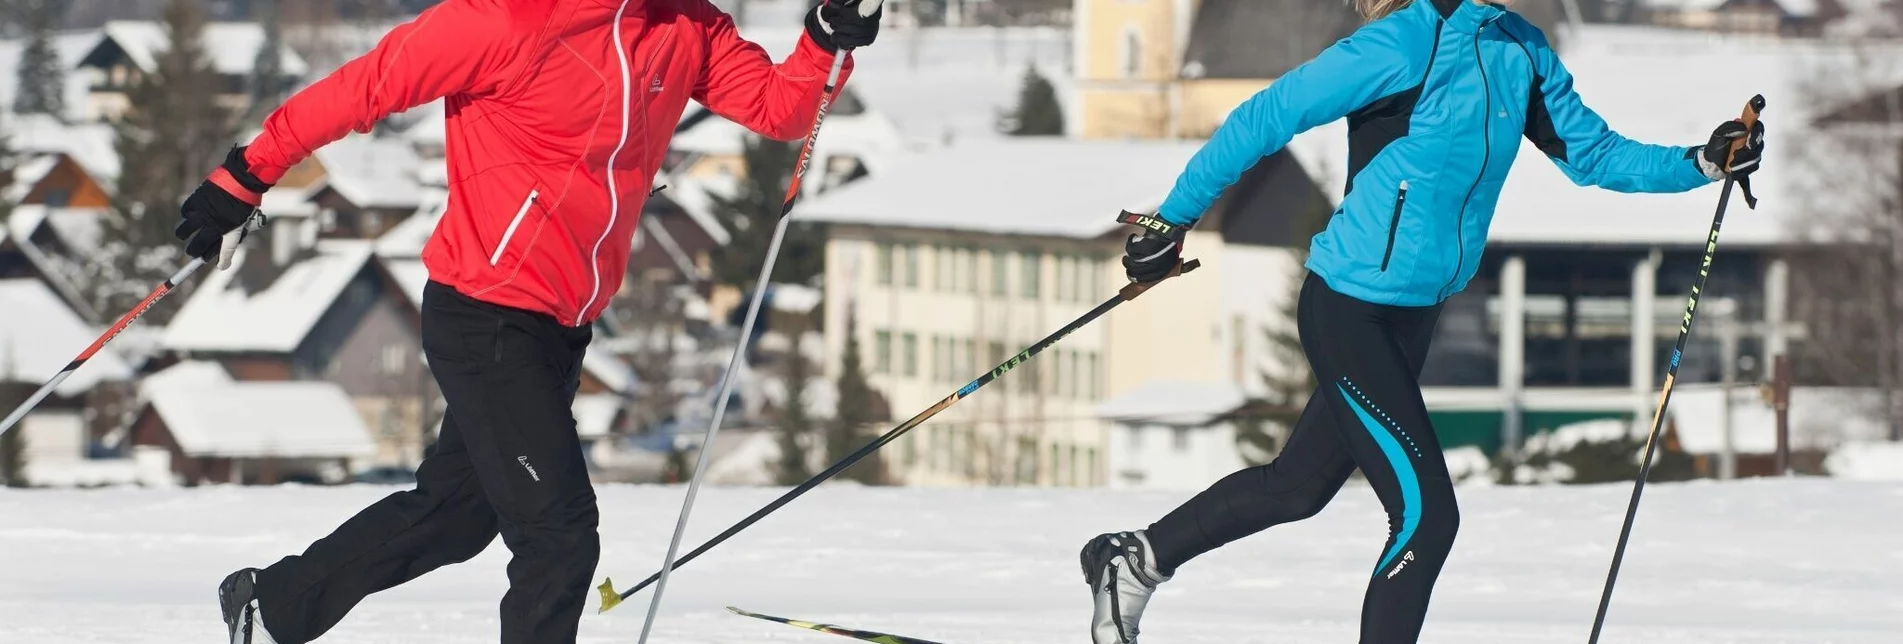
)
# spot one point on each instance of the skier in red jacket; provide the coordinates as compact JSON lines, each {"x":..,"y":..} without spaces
{"x":559,"y":114}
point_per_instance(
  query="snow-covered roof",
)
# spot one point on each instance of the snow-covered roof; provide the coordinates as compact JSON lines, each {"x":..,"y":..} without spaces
{"x":289,"y":201}
{"x":80,"y":229}
{"x":1055,"y":187}
{"x":89,"y":144}
{"x":613,"y":372}
{"x":869,"y":136}
{"x":39,"y":335}
{"x":1173,"y":402}
{"x":938,"y":83}
{"x":407,"y":237}
{"x":411,"y":276}
{"x":595,"y":414}
{"x":692,"y":195}
{"x":222,"y":317}
{"x":231,"y":47}
{"x":211,"y":415}
{"x":1867,"y":461}
{"x":1654,"y":85}
{"x":795,"y":298}
{"x":27,"y":174}
{"x":373,"y":172}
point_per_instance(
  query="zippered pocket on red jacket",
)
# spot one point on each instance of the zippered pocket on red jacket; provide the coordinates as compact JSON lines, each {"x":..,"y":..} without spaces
{"x":1394,"y":225}
{"x":509,"y":233}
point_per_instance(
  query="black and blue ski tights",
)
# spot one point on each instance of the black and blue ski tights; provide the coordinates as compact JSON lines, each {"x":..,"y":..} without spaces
{"x":1366,"y":412}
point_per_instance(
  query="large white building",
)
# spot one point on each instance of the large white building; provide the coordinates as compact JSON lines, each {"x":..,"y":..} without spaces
{"x":951,"y":262}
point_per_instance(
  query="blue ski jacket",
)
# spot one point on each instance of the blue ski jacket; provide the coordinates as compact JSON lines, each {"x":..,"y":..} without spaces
{"x":1437,"y":96}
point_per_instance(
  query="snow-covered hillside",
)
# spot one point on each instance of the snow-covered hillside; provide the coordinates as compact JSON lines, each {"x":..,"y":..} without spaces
{"x":1759,"y":561}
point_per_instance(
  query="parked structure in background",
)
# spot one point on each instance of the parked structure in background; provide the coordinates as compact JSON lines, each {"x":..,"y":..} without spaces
{"x":206,"y":428}
{"x":1172,"y":434}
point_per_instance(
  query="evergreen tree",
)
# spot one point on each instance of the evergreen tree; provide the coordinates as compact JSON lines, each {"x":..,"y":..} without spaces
{"x":751,"y":213}
{"x":267,"y":73}
{"x":1038,"y":112}
{"x":173,"y":134}
{"x":795,"y":425}
{"x":13,"y":445}
{"x":851,"y":421}
{"x":42,"y":79}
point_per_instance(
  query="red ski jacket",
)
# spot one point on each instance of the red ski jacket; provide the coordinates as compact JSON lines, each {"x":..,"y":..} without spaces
{"x":559,"y":114}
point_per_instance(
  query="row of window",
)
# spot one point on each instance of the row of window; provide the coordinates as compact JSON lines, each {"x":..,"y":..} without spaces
{"x":1001,"y":273}
{"x":995,"y":457}
{"x":1072,"y":373}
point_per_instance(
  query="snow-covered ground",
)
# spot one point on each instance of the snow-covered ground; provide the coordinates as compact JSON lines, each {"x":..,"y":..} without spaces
{"x":1808,"y":561}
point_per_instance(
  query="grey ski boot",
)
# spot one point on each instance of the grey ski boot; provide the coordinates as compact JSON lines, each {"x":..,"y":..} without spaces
{"x":1121,"y":570}
{"x":238,"y":601}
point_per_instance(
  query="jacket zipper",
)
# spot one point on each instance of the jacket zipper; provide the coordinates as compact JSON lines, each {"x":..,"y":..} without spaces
{"x":509,"y":233}
{"x":1486,"y":158}
{"x":1394,"y":224}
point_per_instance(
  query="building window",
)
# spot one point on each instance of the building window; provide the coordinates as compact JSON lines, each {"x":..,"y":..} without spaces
{"x":971,"y":359}
{"x":884,"y":268}
{"x":882,"y":352}
{"x":1000,"y":273}
{"x":1090,"y":466}
{"x":1093,"y":376}
{"x":58,"y":198}
{"x":1086,"y":277}
{"x":1060,"y":264}
{"x":1179,"y":439}
{"x":1132,"y":53}
{"x":1032,"y":266}
{"x":908,"y":354}
{"x":938,"y":358}
{"x":393,"y":358}
{"x":1071,"y":387}
{"x":969,"y":265}
{"x":1057,"y":466}
{"x":911,"y":266}
{"x":995,"y":354}
{"x":1076,"y":466}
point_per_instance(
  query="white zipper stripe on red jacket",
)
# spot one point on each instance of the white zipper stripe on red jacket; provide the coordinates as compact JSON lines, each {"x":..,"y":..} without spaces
{"x":614,"y":191}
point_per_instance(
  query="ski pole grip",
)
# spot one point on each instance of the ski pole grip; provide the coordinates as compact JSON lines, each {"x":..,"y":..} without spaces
{"x":1133,"y":289}
{"x":1750,"y":119}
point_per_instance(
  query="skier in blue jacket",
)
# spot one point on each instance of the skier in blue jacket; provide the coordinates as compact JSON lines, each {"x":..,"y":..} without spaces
{"x":1437,"y":94}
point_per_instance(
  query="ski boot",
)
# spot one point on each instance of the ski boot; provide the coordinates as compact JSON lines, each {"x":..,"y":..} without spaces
{"x":1121,"y":570}
{"x":238,"y":601}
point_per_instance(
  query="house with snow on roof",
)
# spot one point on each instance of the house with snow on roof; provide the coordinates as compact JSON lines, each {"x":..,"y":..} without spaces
{"x":128,"y":51}
{"x":285,"y":312}
{"x":39,"y":335}
{"x":204,"y":427}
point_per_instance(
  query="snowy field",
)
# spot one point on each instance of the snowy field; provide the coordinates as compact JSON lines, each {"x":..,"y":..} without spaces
{"x":1811,"y":561}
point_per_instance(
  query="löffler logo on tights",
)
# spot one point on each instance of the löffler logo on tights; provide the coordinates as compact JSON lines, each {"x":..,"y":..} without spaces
{"x":524,"y":460}
{"x":1405,"y":557}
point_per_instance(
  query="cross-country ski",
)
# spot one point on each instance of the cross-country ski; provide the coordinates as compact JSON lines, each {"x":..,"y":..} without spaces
{"x":989,"y":322}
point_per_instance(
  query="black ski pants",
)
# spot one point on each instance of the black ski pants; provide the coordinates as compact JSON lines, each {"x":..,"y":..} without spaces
{"x":508,"y":461}
{"x":1366,"y":412}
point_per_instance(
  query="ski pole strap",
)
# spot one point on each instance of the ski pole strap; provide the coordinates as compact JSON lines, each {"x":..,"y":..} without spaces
{"x":1750,"y":119}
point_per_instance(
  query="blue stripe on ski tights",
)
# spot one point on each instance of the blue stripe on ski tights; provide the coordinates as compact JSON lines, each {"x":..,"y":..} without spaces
{"x":1403,"y":472}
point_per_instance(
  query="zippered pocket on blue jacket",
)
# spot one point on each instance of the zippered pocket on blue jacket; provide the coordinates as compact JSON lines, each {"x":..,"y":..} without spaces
{"x":1394,"y":225}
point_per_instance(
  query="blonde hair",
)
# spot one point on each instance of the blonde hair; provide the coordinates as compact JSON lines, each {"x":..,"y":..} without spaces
{"x":1373,"y":10}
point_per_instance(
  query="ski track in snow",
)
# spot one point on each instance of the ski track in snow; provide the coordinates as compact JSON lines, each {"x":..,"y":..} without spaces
{"x":1751,"y":562}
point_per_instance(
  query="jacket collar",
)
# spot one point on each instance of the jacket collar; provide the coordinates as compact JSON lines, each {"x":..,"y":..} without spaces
{"x":1467,"y":16}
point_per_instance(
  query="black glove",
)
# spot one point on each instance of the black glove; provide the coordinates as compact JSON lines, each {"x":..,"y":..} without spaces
{"x":1712,"y":159}
{"x":844,"y":23}
{"x":1151,"y":255}
{"x":225,"y":202}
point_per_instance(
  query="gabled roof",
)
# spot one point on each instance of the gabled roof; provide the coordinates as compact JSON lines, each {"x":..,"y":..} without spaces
{"x":222,"y":317}
{"x":210,"y":415}
{"x":1052,"y":187}
{"x":1262,"y":39}
{"x":39,"y":335}
{"x":89,"y":144}
{"x":372,"y":172}
{"x":231,"y":47}
{"x":1173,"y":402}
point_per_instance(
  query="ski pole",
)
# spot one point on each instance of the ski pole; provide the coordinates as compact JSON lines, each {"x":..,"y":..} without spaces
{"x":232,"y":239}
{"x":610,"y":598}
{"x":1751,"y":110}
{"x":738,"y":362}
